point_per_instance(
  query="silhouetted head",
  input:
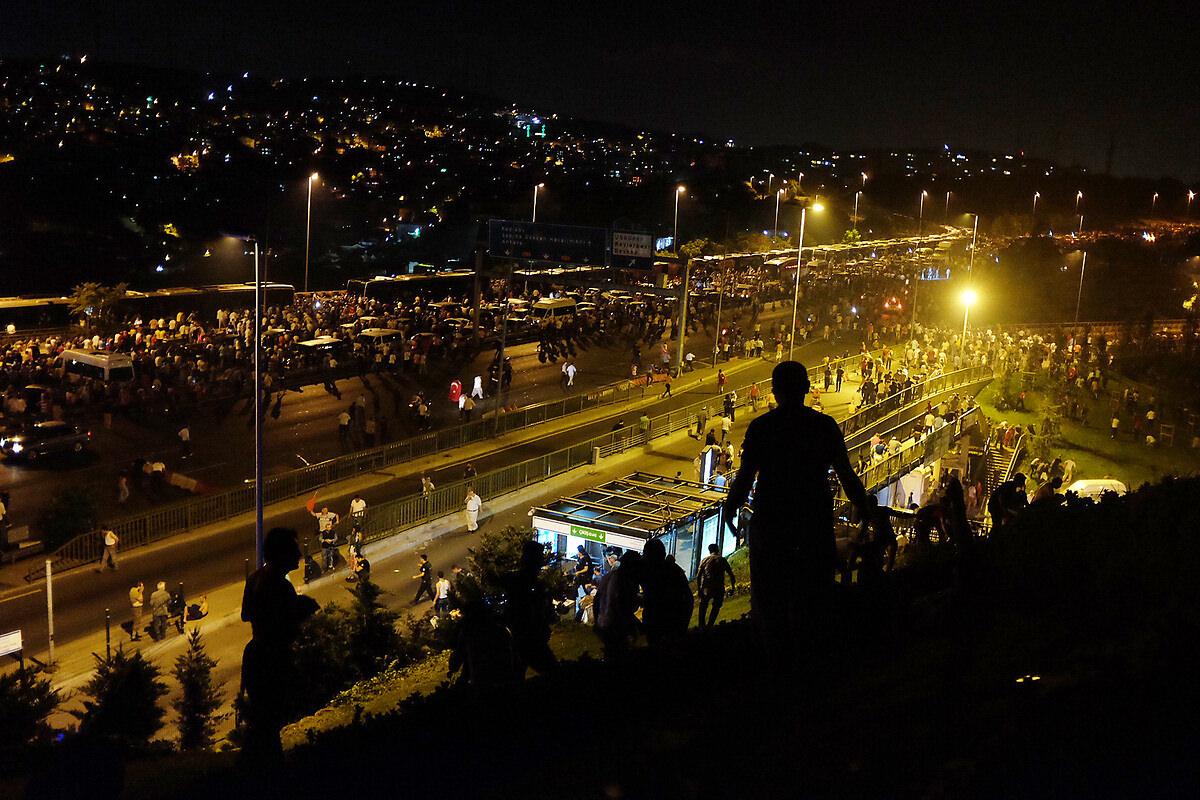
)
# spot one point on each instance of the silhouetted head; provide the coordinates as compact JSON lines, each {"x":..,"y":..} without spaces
{"x":532,"y":555}
{"x":1056,"y":482}
{"x":789,"y":382}
{"x":712,"y":548}
{"x":654,"y":551}
{"x":280,"y":549}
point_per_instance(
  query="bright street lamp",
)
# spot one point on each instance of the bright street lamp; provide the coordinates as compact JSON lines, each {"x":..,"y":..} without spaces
{"x":817,"y":207}
{"x":536,"y":189}
{"x":258,"y":404}
{"x":968,"y":298}
{"x":679,"y":191}
{"x":308,"y":226}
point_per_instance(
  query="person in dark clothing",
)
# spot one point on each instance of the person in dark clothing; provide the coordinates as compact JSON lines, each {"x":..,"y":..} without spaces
{"x":666,"y":595}
{"x":786,"y":457}
{"x":425,"y":576}
{"x":710,"y":585}
{"x":275,"y":612}
{"x":583,"y":567}
{"x":528,"y":612}
{"x":616,"y":603}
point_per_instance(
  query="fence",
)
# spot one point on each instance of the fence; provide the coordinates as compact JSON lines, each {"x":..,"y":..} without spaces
{"x":390,"y":517}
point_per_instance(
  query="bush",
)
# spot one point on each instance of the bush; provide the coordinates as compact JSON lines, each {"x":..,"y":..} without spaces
{"x":71,"y":512}
{"x":123,"y":704}
{"x":197,"y":705}
{"x":374,"y":642}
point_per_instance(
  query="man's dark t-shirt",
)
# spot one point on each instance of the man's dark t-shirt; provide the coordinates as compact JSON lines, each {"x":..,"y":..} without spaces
{"x":792,"y":450}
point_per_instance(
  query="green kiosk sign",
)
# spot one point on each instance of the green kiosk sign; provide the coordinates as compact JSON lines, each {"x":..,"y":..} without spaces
{"x":588,"y":533}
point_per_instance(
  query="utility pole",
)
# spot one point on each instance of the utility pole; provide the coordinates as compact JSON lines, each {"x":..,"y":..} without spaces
{"x":50,"y":664}
{"x":683,"y":304}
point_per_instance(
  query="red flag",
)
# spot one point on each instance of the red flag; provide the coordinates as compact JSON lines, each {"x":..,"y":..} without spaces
{"x":311,"y":505}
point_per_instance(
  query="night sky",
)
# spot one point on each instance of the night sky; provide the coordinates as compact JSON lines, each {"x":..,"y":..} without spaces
{"x":1062,"y":82}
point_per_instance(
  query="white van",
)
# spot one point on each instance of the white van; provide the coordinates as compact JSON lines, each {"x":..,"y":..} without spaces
{"x":97,"y":365}
{"x":1096,"y":488}
{"x":546,"y":309}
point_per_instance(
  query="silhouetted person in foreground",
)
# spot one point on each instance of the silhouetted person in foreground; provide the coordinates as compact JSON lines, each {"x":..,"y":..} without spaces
{"x":529,"y":612}
{"x":274,"y":610}
{"x":666,"y":595}
{"x":616,"y":604}
{"x":792,"y":551}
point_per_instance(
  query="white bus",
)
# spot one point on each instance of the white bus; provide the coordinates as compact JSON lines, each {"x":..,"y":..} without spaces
{"x":97,"y":365}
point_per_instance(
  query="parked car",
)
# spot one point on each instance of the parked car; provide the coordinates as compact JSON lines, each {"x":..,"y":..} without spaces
{"x":1096,"y":488}
{"x":43,"y":438}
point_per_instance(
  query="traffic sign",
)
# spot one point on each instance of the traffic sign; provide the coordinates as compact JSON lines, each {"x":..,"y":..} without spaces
{"x":10,"y":643}
{"x":632,"y":245}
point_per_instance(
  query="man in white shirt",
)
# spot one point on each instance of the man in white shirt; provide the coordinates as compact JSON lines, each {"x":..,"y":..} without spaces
{"x":441,"y":594}
{"x":473,"y":504}
{"x":326,"y":519}
{"x":185,"y":439}
{"x":477,"y":387}
{"x":109,"y":556}
{"x":358,"y":508}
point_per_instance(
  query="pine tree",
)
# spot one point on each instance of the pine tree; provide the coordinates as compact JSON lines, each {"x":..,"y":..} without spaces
{"x":25,"y":702}
{"x":197,"y":705}
{"x":123,"y":703}
{"x":374,"y":642}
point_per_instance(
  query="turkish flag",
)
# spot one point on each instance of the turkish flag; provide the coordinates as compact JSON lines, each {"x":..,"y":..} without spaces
{"x":311,"y":505}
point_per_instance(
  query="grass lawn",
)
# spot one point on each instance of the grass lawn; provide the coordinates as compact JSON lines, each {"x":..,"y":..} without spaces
{"x":1096,"y":455}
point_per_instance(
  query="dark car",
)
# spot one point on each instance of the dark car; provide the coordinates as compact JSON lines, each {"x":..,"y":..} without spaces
{"x":44,"y":438}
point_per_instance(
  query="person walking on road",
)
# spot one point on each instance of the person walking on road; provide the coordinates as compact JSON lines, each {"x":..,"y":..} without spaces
{"x":427,"y":487}
{"x":710,"y":585}
{"x":441,"y":592}
{"x":185,"y":440}
{"x":326,"y":520}
{"x":109,"y":556}
{"x":137,"y":598}
{"x":721,"y":379}
{"x":424,"y":575}
{"x":472,"y":507}
{"x":701,"y":421}
{"x":160,"y":602}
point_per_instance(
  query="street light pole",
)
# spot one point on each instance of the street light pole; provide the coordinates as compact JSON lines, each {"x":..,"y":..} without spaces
{"x":308,"y":227}
{"x":974,"y":237}
{"x":921,"y":212}
{"x":1036,"y":195}
{"x":258,"y":416}
{"x":1078,"y":197}
{"x":1191,"y":195}
{"x":796,"y":291}
{"x":1154,"y":201}
{"x":683,"y":304}
{"x":777,"y":196}
{"x":855,"y":219}
{"x":535,"y":196}
{"x":675,"y":236}
{"x":1079,"y":296}
{"x":947,"y":205}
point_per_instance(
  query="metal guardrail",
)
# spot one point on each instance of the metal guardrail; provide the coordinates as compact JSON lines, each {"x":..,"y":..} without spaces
{"x":387,"y":518}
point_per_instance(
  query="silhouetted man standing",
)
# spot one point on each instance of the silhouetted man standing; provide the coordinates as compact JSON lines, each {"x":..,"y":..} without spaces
{"x":792,"y":553}
{"x":274,"y":610}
